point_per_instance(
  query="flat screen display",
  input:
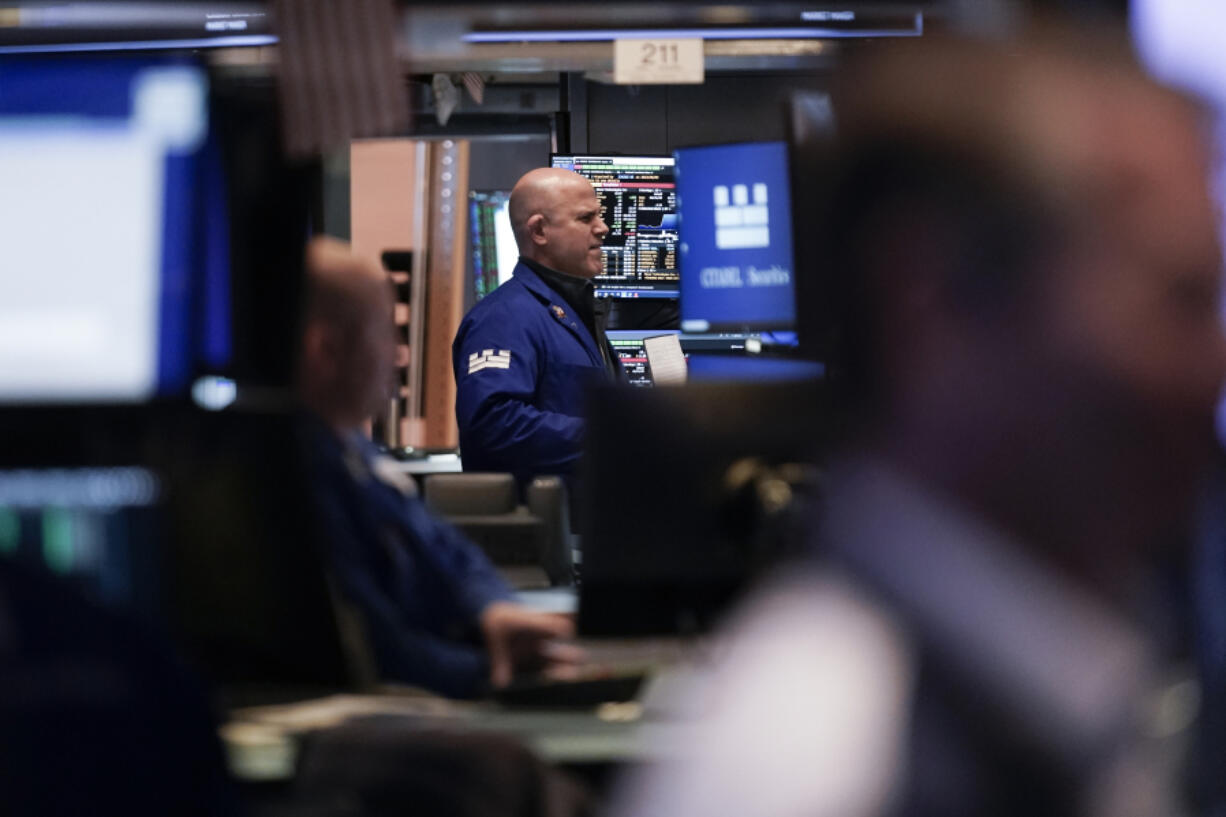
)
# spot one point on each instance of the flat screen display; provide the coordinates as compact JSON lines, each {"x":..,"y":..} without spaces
{"x":735,"y":238}
{"x":638,"y":201}
{"x":494,"y":253}
{"x":114,"y":265}
{"x":699,"y":351}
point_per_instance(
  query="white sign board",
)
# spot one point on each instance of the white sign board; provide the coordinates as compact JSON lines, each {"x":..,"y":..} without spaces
{"x":657,"y":62}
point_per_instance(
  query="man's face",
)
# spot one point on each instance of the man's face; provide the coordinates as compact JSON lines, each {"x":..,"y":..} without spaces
{"x":1128,"y":331}
{"x":573,"y":230}
{"x":366,"y":363}
{"x":378,"y":343}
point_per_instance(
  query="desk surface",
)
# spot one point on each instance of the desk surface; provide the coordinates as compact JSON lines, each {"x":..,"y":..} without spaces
{"x":261,"y":743}
{"x":433,"y":464}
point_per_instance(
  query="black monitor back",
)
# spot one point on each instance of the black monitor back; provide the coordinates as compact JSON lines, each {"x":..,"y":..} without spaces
{"x":687,"y":493}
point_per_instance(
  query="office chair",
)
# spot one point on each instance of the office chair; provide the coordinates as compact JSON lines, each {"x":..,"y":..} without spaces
{"x":527,"y":541}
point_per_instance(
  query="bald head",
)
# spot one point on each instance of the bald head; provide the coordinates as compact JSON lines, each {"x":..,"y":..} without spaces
{"x":556,"y":219}
{"x":346,"y":358}
{"x":343,"y":288}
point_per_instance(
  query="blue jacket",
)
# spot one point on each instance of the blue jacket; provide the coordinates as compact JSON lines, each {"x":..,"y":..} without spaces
{"x":419,"y":584}
{"x":521,"y":361}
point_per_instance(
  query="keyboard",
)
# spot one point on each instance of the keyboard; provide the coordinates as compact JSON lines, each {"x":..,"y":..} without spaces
{"x":541,"y":693}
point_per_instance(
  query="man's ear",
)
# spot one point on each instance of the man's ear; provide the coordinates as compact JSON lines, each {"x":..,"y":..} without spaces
{"x":318,"y":347}
{"x":536,"y":228}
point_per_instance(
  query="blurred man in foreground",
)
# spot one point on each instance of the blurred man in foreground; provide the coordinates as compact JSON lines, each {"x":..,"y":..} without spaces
{"x":1024,"y":250}
{"x":436,"y":611}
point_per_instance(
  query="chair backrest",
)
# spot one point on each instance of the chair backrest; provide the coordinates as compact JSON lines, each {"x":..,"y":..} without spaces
{"x":487,"y":509}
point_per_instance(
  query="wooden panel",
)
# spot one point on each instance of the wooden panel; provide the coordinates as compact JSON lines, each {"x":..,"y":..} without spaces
{"x":387,"y":212}
{"x":409,"y":194}
{"x":449,"y":162}
{"x":382,"y":188}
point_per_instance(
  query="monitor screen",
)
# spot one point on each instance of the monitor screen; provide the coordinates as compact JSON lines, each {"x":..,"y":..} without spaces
{"x":638,"y":201}
{"x":632,"y":352}
{"x":42,"y":27}
{"x":736,"y":238}
{"x":114,"y":284}
{"x":97,"y":527}
{"x":494,"y":252}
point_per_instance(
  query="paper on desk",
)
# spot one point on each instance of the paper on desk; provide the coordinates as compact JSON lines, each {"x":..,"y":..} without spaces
{"x":666,"y":359}
{"x":321,"y":713}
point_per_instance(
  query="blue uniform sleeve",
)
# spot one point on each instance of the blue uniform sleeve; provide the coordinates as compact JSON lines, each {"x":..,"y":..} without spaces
{"x":451,"y":668}
{"x":474,"y":581}
{"x":405,"y":652}
{"x":418,"y":583}
{"x":498,"y":370}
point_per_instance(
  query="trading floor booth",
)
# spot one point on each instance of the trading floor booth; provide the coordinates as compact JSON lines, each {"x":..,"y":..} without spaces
{"x":160,"y":173}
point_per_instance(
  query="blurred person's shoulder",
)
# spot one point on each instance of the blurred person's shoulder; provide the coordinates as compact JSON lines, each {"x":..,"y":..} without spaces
{"x":802,"y":710}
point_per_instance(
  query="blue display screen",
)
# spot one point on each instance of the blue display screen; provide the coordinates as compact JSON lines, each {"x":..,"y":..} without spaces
{"x":736,"y":261}
{"x":114,"y":270}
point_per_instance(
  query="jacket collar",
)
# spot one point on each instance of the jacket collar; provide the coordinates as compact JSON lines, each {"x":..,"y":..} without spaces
{"x":559,"y":309}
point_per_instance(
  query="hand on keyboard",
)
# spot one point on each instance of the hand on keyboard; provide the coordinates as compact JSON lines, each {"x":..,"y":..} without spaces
{"x":519,"y":640}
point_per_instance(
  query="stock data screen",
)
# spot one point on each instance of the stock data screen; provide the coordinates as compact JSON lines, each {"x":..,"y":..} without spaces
{"x":638,"y":200}
{"x":493,"y":253}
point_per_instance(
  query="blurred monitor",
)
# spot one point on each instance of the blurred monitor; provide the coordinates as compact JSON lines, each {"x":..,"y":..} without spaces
{"x":737,"y":267}
{"x":99,"y":528}
{"x":811,"y":131}
{"x":494,"y":252}
{"x":638,"y":202}
{"x":192,"y":523}
{"x":47,"y":27}
{"x":723,"y":368}
{"x":1179,"y":42}
{"x":114,"y":285}
{"x":670,"y":492}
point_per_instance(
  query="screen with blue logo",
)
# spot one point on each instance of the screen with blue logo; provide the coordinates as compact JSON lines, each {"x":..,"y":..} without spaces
{"x":114,"y":284}
{"x":735,"y":224}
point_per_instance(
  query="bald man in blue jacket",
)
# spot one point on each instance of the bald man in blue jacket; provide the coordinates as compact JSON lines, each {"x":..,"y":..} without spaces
{"x":525,"y":353}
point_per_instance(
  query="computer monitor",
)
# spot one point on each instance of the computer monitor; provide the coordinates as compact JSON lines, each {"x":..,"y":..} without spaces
{"x":705,"y":354}
{"x":99,"y":528}
{"x":133,"y":25}
{"x":686,"y":493}
{"x":192,"y":523}
{"x":494,"y":252}
{"x":115,"y":282}
{"x":639,"y":203}
{"x":737,"y":266}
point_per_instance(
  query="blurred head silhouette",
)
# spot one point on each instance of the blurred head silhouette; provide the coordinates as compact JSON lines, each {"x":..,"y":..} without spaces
{"x":345,"y":371}
{"x":1025,"y":256}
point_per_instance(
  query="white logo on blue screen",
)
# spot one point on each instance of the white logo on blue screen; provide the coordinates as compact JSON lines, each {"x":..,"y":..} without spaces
{"x":739,"y":223}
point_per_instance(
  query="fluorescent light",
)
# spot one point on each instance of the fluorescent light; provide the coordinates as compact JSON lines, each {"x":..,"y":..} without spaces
{"x":603,"y":35}
{"x":141,"y":45}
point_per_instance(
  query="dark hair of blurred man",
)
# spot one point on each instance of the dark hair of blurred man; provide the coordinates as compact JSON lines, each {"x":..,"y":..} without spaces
{"x":1024,"y":256}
